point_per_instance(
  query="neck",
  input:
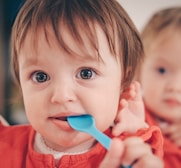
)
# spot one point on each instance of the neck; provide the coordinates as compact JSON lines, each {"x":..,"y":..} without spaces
{"x":41,"y":146}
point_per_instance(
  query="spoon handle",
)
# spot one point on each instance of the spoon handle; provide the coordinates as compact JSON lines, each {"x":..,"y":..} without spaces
{"x":101,"y":137}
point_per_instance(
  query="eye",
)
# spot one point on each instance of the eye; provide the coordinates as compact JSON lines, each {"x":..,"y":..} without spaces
{"x":161,"y":70}
{"x":40,"y":77}
{"x":86,"y":73}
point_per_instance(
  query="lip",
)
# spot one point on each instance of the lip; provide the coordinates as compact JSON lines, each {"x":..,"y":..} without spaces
{"x":172,"y":102}
{"x":60,"y":120}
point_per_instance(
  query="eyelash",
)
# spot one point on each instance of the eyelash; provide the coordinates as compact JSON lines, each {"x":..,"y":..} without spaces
{"x":40,"y":79}
{"x":84,"y":73}
{"x":161,"y":70}
{"x":89,"y":72}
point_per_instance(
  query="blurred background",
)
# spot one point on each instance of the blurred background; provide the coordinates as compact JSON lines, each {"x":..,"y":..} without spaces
{"x":10,"y":103}
{"x":141,"y":10}
{"x":11,"y":106}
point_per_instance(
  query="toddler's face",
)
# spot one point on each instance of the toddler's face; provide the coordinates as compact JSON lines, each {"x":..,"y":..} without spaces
{"x":161,"y":77}
{"x":56,"y":84}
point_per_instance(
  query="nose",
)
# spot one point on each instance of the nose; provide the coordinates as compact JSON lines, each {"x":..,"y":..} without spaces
{"x":174,"y":84}
{"x":63,"y":92}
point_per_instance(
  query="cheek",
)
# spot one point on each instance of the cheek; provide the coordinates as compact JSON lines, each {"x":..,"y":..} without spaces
{"x":152,"y":94}
{"x":149,"y":82}
{"x":30,"y":107}
{"x":33,"y":104}
{"x":107,"y":107}
{"x":150,"y":90}
{"x":35,"y":111}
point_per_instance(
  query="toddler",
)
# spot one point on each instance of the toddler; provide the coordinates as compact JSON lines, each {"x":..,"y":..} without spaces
{"x":73,"y":57}
{"x":160,"y":78}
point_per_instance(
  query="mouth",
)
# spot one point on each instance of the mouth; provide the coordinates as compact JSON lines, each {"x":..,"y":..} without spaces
{"x":172,"y":102}
{"x":62,"y":118}
{"x":61,"y":122}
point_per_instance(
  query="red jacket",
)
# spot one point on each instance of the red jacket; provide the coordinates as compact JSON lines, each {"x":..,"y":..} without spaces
{"x":16,"y":149}
{"x":172,"y":153}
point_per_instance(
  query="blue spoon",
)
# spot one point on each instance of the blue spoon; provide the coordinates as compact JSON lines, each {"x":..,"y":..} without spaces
{"x":86,"y":123}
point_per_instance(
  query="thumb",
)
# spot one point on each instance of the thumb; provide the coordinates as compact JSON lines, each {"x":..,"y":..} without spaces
{"x":119,"y":128}
{"x":113,"y":156}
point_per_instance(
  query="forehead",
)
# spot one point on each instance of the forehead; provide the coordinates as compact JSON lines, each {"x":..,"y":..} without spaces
{"x":159,"y":39}
{"x":79,"y":48}
{"x":166,"y":46}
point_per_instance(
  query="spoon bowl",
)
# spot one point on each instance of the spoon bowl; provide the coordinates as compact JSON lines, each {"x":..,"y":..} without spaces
{"x":86,"y":123}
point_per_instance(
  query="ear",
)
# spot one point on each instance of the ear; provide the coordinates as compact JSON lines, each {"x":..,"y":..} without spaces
{"x":131,"y":112}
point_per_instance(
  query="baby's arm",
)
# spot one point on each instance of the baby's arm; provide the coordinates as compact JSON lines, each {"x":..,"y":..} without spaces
{"x":131,"y":114}
{"x":133,"y":151}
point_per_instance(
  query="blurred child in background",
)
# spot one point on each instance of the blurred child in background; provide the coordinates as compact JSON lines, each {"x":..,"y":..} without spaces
{"x":160,"y":78}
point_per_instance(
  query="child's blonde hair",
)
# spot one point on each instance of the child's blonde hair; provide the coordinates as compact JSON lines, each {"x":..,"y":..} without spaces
{"x":165,"y":19}
{"x":80,"y":16}
{"x":159,"y":25}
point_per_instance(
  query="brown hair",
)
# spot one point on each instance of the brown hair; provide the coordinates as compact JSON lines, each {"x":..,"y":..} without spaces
{"x":165,"y":19}
{"x":111,"y":17}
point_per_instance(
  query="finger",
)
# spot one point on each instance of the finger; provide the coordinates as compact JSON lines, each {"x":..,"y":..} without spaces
{"x":135,"y":149}
{"x":113,"y":156}
{"x":137,"y":89}
{"x":149,"y":161}
{"x":119,"y":128}
{"x":123,"y":103}
{"x":133,"y":91}
{"x":136,"y":85}
{"x":129,"y":92}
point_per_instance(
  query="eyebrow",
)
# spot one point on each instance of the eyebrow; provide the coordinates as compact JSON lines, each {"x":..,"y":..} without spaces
{"x":88,"y":57}
{"x":29,"y":62}
{"x":80,"y":58}
{"x":161,"y":57}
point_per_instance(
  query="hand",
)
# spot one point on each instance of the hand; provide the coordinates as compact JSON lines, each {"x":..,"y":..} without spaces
{"x":173,"y":132}
{"x":132,"y":151}
{"x":131,"y":110}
